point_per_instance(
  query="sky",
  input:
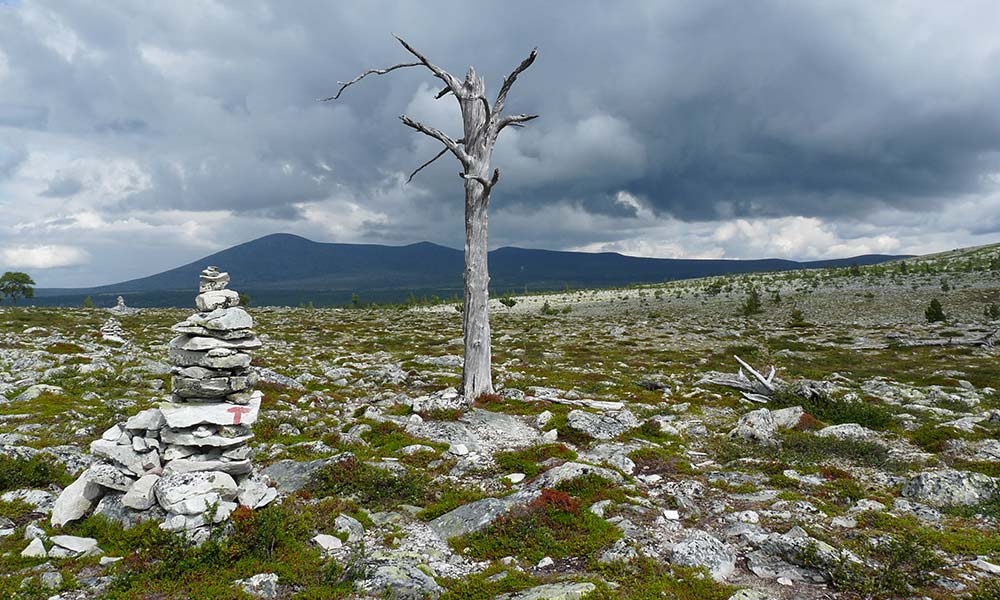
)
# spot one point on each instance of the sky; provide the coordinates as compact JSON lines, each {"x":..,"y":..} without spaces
{"x":138,"y":136}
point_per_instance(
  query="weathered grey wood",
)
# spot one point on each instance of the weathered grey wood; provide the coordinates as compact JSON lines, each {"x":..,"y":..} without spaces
{"x":482,"y":124}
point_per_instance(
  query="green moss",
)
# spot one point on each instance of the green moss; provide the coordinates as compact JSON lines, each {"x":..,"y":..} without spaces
{"x":660,"y":461}
{"x":528,"y":460}
{"x":35,"y":472}
{"x":592,"y":488}
{"x":486,"y":585}
{"x":369,"y":485}
{"x":646,"y":579}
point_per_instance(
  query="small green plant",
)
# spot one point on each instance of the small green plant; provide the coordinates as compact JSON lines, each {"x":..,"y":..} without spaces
{"x":992,"y":311}
{"x":935,"y":312}
{"x":88,"y":302}
{"x":548,"y":310}
{"x":508,"y":301}
{"x":797,"y":319}
{"x":751,"y":305}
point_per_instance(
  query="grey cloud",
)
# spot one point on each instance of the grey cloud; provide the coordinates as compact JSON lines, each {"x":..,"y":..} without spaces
{"x":63,"y":186}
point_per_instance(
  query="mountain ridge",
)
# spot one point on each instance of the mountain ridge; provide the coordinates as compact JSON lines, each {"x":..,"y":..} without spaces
{"x":285,"y":268}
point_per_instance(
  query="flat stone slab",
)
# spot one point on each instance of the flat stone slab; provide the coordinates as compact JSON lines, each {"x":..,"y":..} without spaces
{"x":179,"y":416}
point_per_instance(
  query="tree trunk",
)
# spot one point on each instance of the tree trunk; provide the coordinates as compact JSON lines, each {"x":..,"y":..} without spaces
{"x":477,"y":376}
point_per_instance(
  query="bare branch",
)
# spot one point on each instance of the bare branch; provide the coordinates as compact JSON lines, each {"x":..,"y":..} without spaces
{"x":420,"y":168}
{"x":449,"y":80}
{"x":444,"y":92}
{"x":439,"y":135}
{"x":514,"y":121}
{"x":487,"y":185}
{"x":508,"y":81}
{"x":343,"y":85}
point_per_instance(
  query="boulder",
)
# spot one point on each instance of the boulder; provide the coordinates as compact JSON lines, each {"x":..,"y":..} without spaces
{"x":570,"y":590}
{"x":951,"y":488}
{"x":193,"y":493}
{"x":702,"y":549}
{"x":214,"y":299}
{"x":261,"y":585}
{"x":602,"y":426}
{"x":756,"y":426}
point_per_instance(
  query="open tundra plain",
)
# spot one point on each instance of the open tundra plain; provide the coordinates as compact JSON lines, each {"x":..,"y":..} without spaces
{"x":623,"y":456}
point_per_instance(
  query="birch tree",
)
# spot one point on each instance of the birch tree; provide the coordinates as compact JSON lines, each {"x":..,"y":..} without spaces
{"x":482,"y":122}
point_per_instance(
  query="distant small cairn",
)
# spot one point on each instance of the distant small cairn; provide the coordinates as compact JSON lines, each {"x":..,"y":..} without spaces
{"x":186,"y":461}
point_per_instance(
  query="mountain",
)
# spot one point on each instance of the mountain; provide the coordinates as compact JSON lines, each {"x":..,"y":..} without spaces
{"x":285,"y":269}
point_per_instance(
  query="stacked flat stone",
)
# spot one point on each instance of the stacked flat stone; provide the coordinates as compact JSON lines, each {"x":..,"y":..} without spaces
{"x":112,"y":331}
{"x":187,"y":459}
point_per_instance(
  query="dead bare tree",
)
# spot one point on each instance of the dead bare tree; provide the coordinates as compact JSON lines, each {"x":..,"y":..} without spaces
{"x":482,"y":123}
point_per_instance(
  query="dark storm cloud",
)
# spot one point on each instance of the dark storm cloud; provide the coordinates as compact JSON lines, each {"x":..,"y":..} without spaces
{"x":701,"y":110}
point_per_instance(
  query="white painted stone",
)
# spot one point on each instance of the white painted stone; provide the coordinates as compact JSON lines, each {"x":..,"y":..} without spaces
{"x":179,"y":416}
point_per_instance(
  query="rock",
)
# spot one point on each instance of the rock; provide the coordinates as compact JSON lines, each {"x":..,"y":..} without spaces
{"x":179,"y":416}
{"x":110,"y":477}
{"x":458,"y":449}
{"x":756,"y":426}
{"x":211,"y":279}
{"x":76,"y":500}
{"x":71,"y":546}
{"x":545,"y":562}
{"x":223,"y":319}
{"x":255,"y":493}
{"x":291,"y":476}
{"x":136,"y":462}
{"x":389,"y":577}
{"x":951,"y":488}
{"x":515,"y":477}
{"x":141,"y":495}
{"x":262,"y":585}
{"x":275,"y":378}
{"x":151,"y":419}
{"x":602,"y":426}
{"x":214,"y":299}
{"x":193,"y":493}
{"x":749,"y":594}
{"x":37,"y":390}
{"x":111,"y":508}
{"x":35,"y":549}
{"x":847,"y":431}
{"x":787,"y":418}
{"x":352,"y":527}
{"x":553,"y":591}
{"x":327,"y":542}
{"x":51,"y":580}
{"x":701,"y":549}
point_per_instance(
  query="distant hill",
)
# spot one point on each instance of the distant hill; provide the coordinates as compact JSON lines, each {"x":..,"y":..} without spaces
{"x":285,"y":269}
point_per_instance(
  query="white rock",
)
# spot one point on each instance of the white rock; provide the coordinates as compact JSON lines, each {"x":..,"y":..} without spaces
{"x":110,"y":477}
{"x":223,"y":319}
{"x":184,"y":492}
{"x":108,"y":560}
{"x":73,"y":546}
{"x":211,"y":300}
{"x":148,"y":419}
{"x":515,"y":477}
{"x":36,"y":549}
{"x":458,"y":449}
{"x":76,"y":500}
{"x":262,"y":585}
{"x":545,"y":562}
{"x":141,"y":495}
{"x":254,"y":493}
{"x":328,"y":542}
{"x":179,"y":416}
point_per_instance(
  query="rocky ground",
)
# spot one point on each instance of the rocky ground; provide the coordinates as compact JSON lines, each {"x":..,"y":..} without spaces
{"x":622,"y":457}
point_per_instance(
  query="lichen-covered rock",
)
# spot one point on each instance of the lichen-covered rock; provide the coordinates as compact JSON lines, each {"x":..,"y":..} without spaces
{"x":602,"y":426}
{"x":756,"y":426}
{"x":386,"y":576}
{"x":702,"y":549}
{"x":951,"y":488}
{"x":570,"y":590}
{"x":76,"y":500}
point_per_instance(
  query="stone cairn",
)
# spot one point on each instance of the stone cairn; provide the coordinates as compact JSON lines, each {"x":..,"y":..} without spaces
{"x":186,"y":461}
